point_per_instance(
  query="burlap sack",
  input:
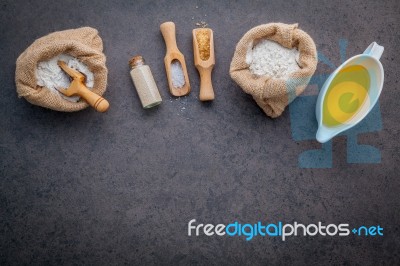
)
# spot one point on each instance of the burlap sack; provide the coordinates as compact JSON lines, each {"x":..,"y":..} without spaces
{"x":83,"y":43}
{"x":272,"y":94}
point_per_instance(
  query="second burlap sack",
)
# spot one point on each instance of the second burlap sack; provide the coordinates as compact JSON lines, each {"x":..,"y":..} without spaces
{"x":272,"y":94}
{"x":82,"y":43}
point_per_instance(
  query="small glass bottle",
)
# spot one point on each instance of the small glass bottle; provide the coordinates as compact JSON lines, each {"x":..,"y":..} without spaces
{"x":144,"y":82}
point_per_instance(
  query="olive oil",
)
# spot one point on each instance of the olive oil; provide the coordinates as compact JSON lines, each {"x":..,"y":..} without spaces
{"x":347,"y":93}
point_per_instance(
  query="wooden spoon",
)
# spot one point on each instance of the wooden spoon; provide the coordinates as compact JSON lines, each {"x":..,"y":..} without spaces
{"x":172,"y":54}
{"x":204,"y":60}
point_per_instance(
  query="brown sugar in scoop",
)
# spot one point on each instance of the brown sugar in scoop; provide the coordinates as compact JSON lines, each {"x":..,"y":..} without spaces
{"x":204,"y":60}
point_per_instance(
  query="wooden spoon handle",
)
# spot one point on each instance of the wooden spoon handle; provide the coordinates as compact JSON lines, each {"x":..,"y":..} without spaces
{"x":168,"y":32}
{"x":96,"y":101}
{"x":206,"y":88}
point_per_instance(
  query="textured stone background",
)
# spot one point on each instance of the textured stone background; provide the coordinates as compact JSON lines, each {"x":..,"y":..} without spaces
{"x":121,"y":187}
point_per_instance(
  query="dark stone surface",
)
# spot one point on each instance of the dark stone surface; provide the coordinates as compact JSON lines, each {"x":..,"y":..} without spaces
{"x":120,"y":187}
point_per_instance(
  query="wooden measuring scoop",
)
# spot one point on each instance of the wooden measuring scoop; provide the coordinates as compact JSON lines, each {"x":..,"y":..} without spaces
{"x":78,"y":87}
{"x":204,"y":60}
{"x":172,"y":55}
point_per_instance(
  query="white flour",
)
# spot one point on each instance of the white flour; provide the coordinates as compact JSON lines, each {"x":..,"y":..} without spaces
{"x":52,"y":77}
{"x":272,"y":59}
{"x":177,"y":76}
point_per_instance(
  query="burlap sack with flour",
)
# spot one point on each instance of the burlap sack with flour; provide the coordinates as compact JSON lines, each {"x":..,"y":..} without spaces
{"x":82,"y":43}
{"x":272,"y":94}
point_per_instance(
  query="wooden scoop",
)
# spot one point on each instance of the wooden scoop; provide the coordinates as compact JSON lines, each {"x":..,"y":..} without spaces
{"x":204,"y":60}
{"x":172,"y":54}
{"x":78,"y":87}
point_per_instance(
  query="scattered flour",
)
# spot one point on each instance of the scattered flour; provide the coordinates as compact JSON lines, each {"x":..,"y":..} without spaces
{"x":52,"y":77}
{"x":272,"y":59}
{"x":177,"y":76}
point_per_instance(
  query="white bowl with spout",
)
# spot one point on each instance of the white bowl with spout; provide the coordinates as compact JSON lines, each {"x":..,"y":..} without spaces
{"x":370,"y":61}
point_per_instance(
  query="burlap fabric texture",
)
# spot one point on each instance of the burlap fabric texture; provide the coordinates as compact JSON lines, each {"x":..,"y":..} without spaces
{"x":82,"y":43}
{"x":272,"y":94}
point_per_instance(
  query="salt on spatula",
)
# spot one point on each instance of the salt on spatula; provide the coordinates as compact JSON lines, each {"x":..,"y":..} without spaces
{"x":174,"y":61}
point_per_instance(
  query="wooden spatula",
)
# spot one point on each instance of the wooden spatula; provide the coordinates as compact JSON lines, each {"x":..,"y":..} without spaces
{"x":204,"y":60}
{"x":172,"y":54}
{"x":78,"y":87}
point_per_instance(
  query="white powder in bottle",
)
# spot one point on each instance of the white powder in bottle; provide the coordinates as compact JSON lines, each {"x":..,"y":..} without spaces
{"x":177,"y":76}
{"x":272,"y":59}
{"x":52,"y":77}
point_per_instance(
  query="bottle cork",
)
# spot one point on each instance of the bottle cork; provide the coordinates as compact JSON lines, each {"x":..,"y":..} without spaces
{"x":144,"y":82}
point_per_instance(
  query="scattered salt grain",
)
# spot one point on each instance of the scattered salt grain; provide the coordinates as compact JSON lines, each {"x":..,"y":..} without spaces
{"x":202,"y":24}
{"x":272,"y":59}
{"x":177,"y":76}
